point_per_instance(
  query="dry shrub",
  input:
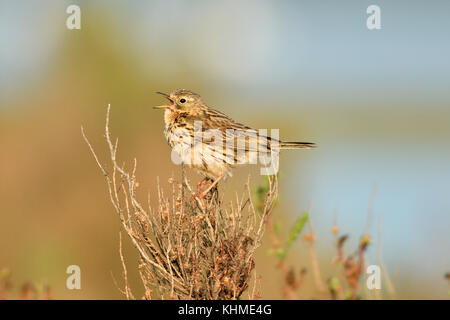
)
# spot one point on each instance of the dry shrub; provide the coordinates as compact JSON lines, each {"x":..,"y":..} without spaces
{"x":188,"y":249}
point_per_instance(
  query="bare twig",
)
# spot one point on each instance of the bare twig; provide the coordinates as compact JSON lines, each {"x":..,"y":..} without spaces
{"x":186,"y":252}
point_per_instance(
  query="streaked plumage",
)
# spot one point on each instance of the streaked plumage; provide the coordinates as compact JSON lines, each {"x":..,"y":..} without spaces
{"x":185,"y":109}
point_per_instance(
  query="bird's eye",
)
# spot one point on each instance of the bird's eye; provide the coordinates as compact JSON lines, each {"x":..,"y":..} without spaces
{"x":182,"y":100}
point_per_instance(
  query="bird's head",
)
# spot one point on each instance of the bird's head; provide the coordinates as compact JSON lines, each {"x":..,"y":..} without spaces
{"x":182,"y":100}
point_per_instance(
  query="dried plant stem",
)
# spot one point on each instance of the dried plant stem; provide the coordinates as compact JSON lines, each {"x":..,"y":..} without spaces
{"x":128,"y":292}
{"x":314,"y":263}
{"x":389,"y":286}
{"x":188,"y":249}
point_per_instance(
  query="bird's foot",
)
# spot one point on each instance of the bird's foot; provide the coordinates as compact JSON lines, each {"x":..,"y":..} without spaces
{"x":201,"y":195}
{"x":201,"y":184}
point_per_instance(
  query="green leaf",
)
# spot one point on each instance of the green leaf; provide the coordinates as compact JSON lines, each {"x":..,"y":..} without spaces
{"x":281,"y":253}
{"x":295,"y":231}
{"x":334,"y":283}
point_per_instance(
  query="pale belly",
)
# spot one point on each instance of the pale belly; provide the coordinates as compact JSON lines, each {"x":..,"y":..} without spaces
{"x":203,"y":158}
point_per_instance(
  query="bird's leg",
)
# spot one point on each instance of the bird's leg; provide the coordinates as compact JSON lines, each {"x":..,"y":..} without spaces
{"x":201,"y":184}
{"x":199,"y":190}
{"x":212,"y":185}
{"x":201,"y":196}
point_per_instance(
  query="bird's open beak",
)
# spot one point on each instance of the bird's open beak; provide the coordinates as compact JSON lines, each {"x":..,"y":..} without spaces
{"x":168,"y":98}
{"x":161,"y":107}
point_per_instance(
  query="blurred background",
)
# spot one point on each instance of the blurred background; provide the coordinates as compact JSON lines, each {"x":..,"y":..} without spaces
{"x":377,"y":103}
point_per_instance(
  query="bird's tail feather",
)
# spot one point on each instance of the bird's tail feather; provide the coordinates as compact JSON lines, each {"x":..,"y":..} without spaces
{"x":297,"y":145}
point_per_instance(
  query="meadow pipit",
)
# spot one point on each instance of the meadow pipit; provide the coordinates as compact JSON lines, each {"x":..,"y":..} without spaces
{"x":233,"y":143}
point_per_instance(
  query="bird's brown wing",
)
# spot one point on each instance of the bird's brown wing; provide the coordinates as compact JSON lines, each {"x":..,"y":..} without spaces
{"x":240,"y":143}
{"x":218,"y":120}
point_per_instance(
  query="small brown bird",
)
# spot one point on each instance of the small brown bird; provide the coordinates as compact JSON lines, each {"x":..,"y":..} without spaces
{"x":210,"y":141}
